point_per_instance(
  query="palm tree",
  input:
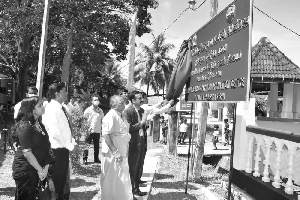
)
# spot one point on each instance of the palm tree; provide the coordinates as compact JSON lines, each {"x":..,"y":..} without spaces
{"x":153,"y":66}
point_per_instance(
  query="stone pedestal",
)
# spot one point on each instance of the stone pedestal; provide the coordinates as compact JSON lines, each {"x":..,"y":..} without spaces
{"x":245,"y":115}
{"x":288,"y":107}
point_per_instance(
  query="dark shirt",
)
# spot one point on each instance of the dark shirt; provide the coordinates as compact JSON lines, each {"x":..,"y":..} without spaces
{"x":135,"y":126}
{"x":36,"y":139}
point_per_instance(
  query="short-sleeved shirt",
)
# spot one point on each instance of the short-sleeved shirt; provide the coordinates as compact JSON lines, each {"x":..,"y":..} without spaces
{"x":113,"y":124}
{"x":35,"y":139}
{"x":94,"y":118}
{"x":183,"y":127}
{"x":216,"y":133}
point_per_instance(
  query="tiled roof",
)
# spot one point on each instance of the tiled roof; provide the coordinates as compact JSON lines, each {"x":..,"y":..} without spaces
{"x":268,"y":62}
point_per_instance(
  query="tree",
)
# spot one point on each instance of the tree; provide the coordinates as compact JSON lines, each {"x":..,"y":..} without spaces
{"x":202,"y":109}
{"x":20,"y":23}
{"x":172,"y":132}
{"x":153,"y":66}
{"x":82,"y":34}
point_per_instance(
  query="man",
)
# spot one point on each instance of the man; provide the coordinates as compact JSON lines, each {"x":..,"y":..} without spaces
{"x":58,"y":126}
{"x":31,"y":92}
{"x":124,"y":95}
{"x":182,"y":131}
{"x":137,"y":144}
{"x":94,"y":116}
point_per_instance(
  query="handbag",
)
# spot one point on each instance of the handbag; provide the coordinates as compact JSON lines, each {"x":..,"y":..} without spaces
{"x":44,"y":191}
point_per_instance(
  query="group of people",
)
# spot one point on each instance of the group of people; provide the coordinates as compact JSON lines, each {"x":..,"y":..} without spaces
{"x":124,"y":145}
{"x":44,"y":141}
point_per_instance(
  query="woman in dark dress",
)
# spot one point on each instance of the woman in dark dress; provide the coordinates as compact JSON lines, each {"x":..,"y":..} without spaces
{"x":33,"y":157}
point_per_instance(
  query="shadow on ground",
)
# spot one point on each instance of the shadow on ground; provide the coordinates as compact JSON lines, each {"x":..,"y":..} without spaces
{"x":85,"y":195}
{"x":2,"y":155}
{"x":172,"y":185}
{"x":88,"y":170}
{"x":173,"y":196}
{"x":9,"y":191}
{"x":212,"y":160}
{"x":162,"y":176}
{"x":78,"y":182}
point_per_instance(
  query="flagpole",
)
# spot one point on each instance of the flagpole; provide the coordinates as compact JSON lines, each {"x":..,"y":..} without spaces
{"x":232,"y":152}
{"x":189,"y":151}
{"x":42,"y":51}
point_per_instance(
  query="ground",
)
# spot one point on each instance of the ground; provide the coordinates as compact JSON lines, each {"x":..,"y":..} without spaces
{"x":170,"y":181}
{"x":84,"y":183}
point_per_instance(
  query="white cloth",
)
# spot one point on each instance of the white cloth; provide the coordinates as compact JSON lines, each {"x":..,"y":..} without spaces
{"x":115,"y":179}
{"x":94,"y":118}
{"x":57,"y":126}
{"x":16,"y":109}
{"x":155,"y":109}
{"x":183,"y":127}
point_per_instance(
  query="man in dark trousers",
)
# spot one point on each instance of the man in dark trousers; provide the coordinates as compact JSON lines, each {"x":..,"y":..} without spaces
{"x":57,"y":124}
{"x":137,"y":130}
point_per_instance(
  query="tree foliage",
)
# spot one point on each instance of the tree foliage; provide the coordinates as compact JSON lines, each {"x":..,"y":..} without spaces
{"x":153,"y":65}
{"x":99,"y":32}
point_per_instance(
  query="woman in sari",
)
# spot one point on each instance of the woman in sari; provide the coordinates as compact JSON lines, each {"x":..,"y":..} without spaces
{"x":33,"y":157}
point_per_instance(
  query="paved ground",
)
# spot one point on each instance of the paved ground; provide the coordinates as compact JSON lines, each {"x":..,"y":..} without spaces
{"x":152,"y":160}
{"x":208,"y":149}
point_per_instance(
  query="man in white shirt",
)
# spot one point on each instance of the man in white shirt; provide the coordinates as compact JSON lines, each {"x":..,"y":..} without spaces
{"x":31,"y":92}
{"x":58,"y":127}
{"x":94,"y":116}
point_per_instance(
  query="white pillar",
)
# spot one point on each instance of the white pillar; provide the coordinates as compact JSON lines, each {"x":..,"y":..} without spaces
{"x":268,"y":144}
{"x":277,"y":179}
{"x":257,"y":157}
{"x":297,"y":101}
{"x":272,"y":99}
{"x":288,"y":101}
{"x":249,"y":154}
{"x":289,"y":188}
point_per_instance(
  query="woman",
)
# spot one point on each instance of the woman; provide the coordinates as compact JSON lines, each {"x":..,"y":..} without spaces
{"x":115,"y":178}
{"x":33,"y":157}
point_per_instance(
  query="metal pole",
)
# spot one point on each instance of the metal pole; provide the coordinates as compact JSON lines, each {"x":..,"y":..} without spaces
{"x":232,"y":152}
{"x":189,"y":151}
{"x":42,"y":52}
{"x":132,"y":35}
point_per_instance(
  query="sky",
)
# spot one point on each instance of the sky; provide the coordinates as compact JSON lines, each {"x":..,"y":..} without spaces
{"x":286,"y":12}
